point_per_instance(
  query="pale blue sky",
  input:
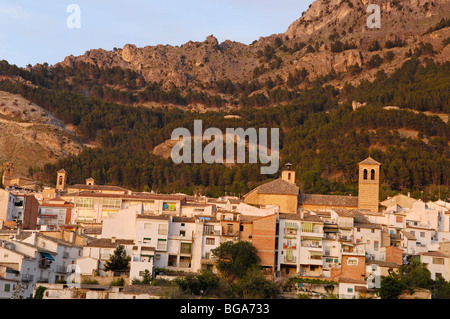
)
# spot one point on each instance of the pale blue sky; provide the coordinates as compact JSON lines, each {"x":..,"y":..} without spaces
{"x":36,"y":31}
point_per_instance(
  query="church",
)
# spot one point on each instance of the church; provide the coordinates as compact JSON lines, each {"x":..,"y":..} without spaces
{"x":286,"y":194}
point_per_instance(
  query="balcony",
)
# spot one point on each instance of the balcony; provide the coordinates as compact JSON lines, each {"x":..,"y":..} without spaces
{"x":229,"y":232}
{"x":286,"y":246}
{"x":211,"y":232}
{"x":291,"y":260}
{"x":45,"y":264}
{"x":62,"y":269}
{"x":27,"y":278}
{"x":395,"y":236}
{"x":311,"y":246}
{"x":43,"y":280}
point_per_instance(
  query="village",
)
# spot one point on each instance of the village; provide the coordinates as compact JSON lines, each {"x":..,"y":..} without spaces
{"x":56,"y":236}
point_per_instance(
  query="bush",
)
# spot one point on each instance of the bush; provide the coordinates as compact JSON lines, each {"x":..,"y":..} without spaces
{"x":89,"y":281}
{"x":39,"y":294}
{"x":118,"y":282}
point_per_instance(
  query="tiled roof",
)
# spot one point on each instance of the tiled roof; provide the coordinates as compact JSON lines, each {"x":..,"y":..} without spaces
{"x":183,"y":219}
{"x":408,"y":235}
{"x":98,"y":187}
{"x":342,"y":212}
{"x":289,"y":216}
{"x":369,"y":161}
{"x":329,"y":200}
{"x":352,"y":281}
{"x":148,"y":216}
{"x":312,"y":218}
{"x":433,"y":254}
{"x":131,"y":197}
{"x":107,"y":243}
{"x":382,"y":263}
{"x":278,"y":186}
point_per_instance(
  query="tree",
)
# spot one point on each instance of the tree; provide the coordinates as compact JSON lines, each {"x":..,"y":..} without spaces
{"x":391,"y":288}
{"x":254,"y":285}
{"x":119,"y":261}
{"x":235,"y":259}
{"x":409,"y":277}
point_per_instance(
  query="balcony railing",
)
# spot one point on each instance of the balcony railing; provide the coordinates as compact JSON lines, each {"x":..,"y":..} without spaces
{"x":211,"y":232}
{"x":62,"y":269}
{"x":43,"y":280}
{"x":396,"y":236}
{"x":27,"y":278}
{"x":290,"y":260}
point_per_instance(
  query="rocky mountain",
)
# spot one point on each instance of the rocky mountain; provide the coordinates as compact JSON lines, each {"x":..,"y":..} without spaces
{"x":85,"y":100}
{"x":30,"y":136}
{"x":308,"y":43}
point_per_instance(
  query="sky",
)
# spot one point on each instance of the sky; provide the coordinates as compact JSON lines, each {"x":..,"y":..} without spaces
{"x":49,"y":30}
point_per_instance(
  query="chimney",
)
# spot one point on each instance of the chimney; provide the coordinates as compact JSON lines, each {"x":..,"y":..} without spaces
{"x":72,"y":237}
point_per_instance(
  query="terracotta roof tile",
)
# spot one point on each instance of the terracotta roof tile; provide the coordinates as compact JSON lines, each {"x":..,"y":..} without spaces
{"x":278,"y":186}
{"x":329,"y":200}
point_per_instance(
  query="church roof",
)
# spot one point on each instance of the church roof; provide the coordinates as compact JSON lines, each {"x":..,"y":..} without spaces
{"x":278,"y":186}
{"x":369,"y":161}
{"x":329,"y":200}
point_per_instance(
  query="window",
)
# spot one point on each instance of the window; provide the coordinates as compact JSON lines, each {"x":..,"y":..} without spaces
{"x":185,"y":248}
{"x":182,"y":233}
{"x":106,"y":213}
{"x":163,"y":229}
{"x":157,"y":256}
{"x":112,"y":203}
{"x":352,"y":261}
{"x":147,"y":240}
{"x":208,"y":230}
{"x":372,"y":174}
{"x":308,"y":227}
{"x":398,"y":219}
{"x":85,"y":202}
{"x":365,"y":174}
{"x":350,"y":290}
{"x":147,"y":225}
{"x":162,"y":244}
{"x":210,"y":241}
{"x":422,"y":234}
{"x":375,"y":245}
{"x":372,"y":230}
{"x":358,"y":229}
{"x":85,"y":214}
{"x":438,"y":261}
{"x":241,"y":228}
{"x":7,"y":287}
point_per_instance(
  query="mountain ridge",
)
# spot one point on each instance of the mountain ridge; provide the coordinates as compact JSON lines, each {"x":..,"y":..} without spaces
{"x":195,"y":65}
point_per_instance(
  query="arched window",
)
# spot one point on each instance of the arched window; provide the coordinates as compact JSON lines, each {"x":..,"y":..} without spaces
{"x":289,"y":176}
{"x":60,"y":180}
{"x":365,"y":174}
{"x":372,"y":174}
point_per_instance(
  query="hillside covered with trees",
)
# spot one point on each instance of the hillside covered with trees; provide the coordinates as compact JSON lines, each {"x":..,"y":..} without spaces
{"x":322,"y":135}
